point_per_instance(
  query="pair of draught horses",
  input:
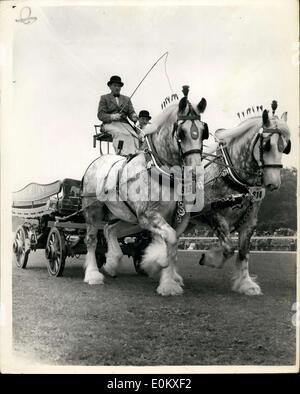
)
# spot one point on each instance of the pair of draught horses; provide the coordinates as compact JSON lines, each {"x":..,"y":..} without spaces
{"x":247,"y":160}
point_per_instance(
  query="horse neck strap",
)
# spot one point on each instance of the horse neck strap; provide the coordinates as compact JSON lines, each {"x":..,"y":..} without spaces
{"x":151,"y":162}
{"x":229,"y":168}
{"x":119,"y":174}
{"x":155,"y":159}
{"x":133,"y":131}
{"x":253,"y":193}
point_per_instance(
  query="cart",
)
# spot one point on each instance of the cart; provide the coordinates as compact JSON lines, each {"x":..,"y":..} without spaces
{"x":43,"y":209}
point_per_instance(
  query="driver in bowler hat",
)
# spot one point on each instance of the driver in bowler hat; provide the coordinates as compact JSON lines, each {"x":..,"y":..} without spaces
{"x":113,"y":110}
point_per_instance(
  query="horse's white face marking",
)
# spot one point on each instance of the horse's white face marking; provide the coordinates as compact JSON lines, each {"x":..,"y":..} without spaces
{"x":190,"y":137}
{"x":188,"y":142}
{"x":272,"y":178}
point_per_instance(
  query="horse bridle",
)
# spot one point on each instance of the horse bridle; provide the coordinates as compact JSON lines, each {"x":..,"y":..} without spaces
{"x":265,"y":145}
{"x":181,"y":119}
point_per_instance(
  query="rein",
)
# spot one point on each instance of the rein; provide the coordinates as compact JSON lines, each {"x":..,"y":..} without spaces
{"x":155,"y":158}
{"x":133,"y":133}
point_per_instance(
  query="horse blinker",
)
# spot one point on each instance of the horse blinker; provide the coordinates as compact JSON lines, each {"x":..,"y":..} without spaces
{"x":205,"y":134}
{"x":266,"y":144}
{"x":287,"y":149}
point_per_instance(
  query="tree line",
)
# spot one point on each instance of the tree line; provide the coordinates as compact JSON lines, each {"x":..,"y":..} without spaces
{"x":279,"y":207}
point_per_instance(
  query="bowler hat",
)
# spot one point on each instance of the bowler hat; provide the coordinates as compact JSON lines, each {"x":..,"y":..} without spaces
{"x":115,"y":79}
{"x":144,"y":114}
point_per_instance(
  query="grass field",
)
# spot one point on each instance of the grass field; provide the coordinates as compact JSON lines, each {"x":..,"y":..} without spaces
{"x":64,"y":321}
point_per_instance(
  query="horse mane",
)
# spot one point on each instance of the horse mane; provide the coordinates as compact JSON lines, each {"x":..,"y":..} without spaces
{"x":168,"y":100}
{"x":251,"y":109}
{"x":234,"y":132}
{"x":245,"y":125}
{"x":166,"y":117}
{"x":163,"y":118}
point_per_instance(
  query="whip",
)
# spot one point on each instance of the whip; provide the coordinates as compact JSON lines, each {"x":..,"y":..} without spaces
{"x":148,"y":72}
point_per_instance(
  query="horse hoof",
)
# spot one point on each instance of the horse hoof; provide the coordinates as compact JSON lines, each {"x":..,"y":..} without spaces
{"x":254,"y":292}
{"x":201,"y":261}
{"x":248,"y":287}
{"x":95,"y":282}
{"x":94,"y":278}
{"x":110,"y":274}
{"x":169,"y":289}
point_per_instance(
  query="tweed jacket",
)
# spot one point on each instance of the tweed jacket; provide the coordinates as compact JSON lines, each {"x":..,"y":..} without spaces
{"x":108,"y":105}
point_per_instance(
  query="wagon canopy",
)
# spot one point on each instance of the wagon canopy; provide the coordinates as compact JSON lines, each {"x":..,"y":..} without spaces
{"x":35,"y":200}
{"x":35,"y":194}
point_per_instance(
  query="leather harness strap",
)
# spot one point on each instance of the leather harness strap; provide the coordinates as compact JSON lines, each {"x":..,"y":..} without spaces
{"x":120,"y":171}
{"x":230,"y":169}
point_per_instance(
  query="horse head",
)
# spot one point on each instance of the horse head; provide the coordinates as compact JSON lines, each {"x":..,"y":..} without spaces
{"x":189,"y":131}
{"x":272,"y":141}
{"x":256,"y":147}
{"x":177,"y":133}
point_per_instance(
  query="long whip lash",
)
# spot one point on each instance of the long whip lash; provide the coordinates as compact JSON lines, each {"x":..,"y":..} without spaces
{"x":148,"y":72}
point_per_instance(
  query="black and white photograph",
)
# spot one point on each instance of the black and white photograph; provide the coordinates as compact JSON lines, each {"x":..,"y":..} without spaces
{"x":149,"y":167}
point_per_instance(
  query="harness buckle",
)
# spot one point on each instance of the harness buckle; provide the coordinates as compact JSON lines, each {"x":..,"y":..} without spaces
{"x":149,"y":164}
{"x":224,"y":172}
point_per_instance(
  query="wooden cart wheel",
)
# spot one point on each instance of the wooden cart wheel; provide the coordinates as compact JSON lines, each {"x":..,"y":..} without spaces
{"x":55,"y":252}
{"x":19,"y":247}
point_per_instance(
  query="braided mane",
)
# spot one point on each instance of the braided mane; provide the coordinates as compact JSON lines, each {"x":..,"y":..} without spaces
{"x":168,"y":100}
{"x":253,"y":110}
{"x":249,"y":123}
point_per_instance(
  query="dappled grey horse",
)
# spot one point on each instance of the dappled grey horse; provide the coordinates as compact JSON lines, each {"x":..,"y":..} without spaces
{"x":247,"y":161}
{"x":118,"y":188}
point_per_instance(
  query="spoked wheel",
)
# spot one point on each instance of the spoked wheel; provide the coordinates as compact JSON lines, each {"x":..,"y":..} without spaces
{"x":55,"y":252}
{"x":19,"y":247}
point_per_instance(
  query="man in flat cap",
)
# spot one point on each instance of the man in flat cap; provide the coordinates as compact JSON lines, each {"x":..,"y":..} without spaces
{"x":113,"y":110}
